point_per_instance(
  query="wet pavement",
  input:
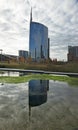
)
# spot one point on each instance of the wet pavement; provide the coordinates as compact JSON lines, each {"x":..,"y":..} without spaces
{"x":39,"y":105}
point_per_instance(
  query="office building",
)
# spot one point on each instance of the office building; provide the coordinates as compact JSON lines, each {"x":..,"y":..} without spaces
{"x":38,"y":41}
{"x":72,"y":53}
{"x":23,"y":53}
{"x":8,"y":58}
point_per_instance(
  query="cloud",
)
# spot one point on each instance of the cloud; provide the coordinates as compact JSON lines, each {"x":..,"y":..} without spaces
{"x":60,"y":16}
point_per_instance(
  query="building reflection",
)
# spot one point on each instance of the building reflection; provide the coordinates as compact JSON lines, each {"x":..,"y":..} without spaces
{"x":37,"y":93}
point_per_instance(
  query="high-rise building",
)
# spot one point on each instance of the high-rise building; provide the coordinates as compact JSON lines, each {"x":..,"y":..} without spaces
{"x":23,"y":53}
{"x":72,"y":53}
{"x":38,"y":41}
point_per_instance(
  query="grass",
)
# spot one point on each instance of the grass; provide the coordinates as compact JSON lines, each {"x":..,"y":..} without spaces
{"x":21,"y":79}
{"x":59,"y":67}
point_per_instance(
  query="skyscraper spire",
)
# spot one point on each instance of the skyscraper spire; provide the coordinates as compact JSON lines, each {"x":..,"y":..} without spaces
{"x":31,"y":15}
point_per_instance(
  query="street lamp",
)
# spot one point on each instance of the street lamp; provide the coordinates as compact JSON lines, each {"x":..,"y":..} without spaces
{"x":1,"y":54}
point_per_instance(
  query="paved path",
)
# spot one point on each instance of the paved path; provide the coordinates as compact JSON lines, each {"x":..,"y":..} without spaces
{"x":39,"y":72}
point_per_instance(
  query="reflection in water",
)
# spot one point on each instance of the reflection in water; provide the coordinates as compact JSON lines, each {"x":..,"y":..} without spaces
{"x":23,"y":73}
{"x":59,"y":113}
{"x":37,"y":93}
{"x":9,"y":73}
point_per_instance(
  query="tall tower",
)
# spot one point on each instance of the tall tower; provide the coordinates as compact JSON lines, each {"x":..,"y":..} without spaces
{"x":31,"y":15}
{"x":38,"y":41}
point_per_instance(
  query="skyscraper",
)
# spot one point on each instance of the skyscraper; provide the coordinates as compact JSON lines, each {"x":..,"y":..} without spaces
{"x":72,"y":53}
{"x":38,"y":41}
{"x":23,"y":53}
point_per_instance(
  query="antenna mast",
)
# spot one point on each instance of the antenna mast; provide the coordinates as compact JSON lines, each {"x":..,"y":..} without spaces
{"x":31,"y":15}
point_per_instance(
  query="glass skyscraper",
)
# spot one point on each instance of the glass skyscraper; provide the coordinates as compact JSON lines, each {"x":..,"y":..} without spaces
{"x":23,"y":53}
{"x":38,"y":41}
{"x":72,"y":53}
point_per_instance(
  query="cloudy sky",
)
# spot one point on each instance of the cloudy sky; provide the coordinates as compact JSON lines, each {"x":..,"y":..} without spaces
{"x":60,"y":16}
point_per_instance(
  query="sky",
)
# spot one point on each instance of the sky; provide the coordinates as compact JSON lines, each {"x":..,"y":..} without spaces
{"x":60,"y":16}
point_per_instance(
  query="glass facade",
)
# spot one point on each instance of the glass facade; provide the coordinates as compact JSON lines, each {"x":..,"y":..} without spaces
{"x":38,"y":41}
{"x":23,"y":53}
{"x":72,"y":53}
{"x":38,"y":92}
{"x":73,"y":50}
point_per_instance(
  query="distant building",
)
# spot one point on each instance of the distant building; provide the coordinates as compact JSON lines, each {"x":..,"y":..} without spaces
{"x":72,"y":53}
{"x":38,"y":41}
{"x":8,"y":58}
{"x":23,"y":53}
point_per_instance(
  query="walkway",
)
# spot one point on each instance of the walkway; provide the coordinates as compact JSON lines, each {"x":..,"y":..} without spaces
{"x":39,"y":72}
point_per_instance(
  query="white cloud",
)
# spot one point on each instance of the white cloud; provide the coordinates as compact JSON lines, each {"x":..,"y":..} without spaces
{"x":60,"y":16}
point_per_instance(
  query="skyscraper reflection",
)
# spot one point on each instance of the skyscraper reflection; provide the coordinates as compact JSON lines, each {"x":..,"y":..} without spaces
{"x":37,"y":93}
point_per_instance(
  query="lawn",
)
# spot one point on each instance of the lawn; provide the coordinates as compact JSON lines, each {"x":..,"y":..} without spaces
{"x":21,"y":79}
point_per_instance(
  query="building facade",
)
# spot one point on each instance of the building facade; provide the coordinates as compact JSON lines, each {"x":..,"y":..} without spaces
{"x":23,"y":53}
{"x":38,"y":41}
{"x":8,"y":58}
{"x":72,"y":53}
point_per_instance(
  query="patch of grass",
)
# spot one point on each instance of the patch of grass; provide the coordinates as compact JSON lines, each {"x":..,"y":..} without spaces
{"x":21,"y":79}
{"x":55,"y":67}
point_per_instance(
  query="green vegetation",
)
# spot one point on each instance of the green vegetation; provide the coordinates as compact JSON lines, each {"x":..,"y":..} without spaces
{"x":58,"y":66}
{"x":21,"y":79}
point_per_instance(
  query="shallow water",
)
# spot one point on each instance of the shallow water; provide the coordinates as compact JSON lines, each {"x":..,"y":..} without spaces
{"x":9,"y":73}
{"x":38,"y":105}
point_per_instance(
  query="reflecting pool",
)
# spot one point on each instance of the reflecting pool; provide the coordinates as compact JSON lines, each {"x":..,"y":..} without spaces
{"x":9,"y":73}
{"x":38,"y":105}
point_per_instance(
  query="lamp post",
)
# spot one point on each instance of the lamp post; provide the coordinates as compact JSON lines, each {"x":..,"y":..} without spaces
{"x":1,"y":54}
